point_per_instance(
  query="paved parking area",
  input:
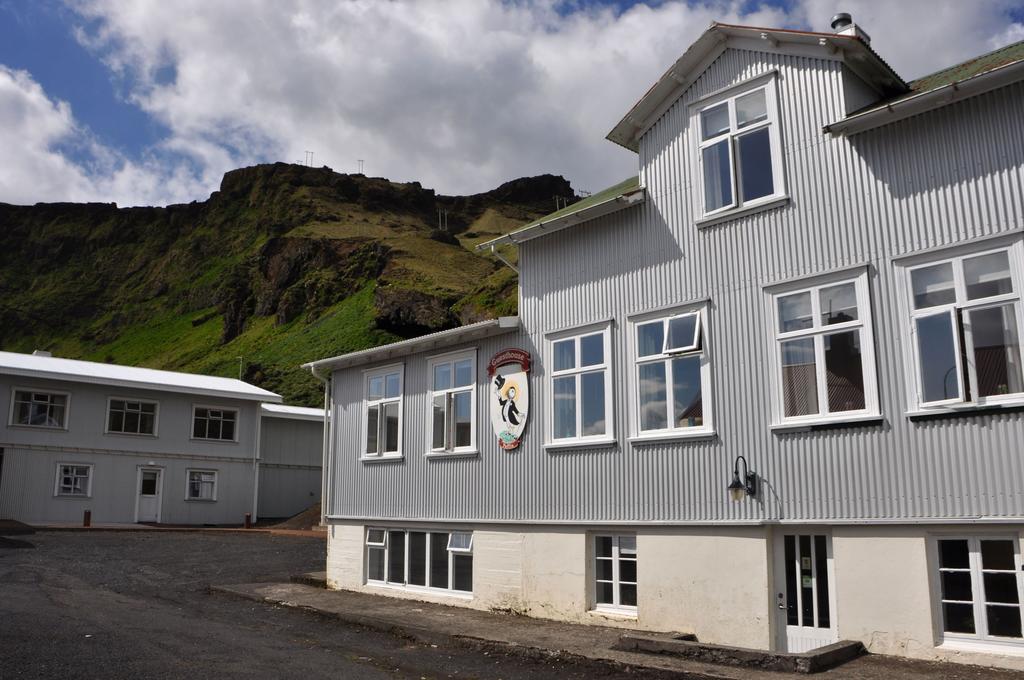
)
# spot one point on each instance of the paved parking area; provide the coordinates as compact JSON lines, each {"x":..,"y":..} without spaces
{"x":136,"y":604}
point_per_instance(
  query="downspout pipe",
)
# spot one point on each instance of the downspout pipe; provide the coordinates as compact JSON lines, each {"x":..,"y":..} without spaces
{"x":256,"y":463}
{"x":328,"y":444}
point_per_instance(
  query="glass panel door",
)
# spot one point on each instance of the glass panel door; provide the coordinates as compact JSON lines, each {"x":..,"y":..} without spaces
{"x":804,"y":590}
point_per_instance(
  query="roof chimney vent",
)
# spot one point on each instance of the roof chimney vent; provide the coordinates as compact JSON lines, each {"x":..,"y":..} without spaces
{"x":841,"y":21}
{"x":842,"y":24}
{"x":41,"y":353}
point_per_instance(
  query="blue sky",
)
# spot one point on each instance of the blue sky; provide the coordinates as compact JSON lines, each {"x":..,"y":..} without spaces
{"x":146,"y":102}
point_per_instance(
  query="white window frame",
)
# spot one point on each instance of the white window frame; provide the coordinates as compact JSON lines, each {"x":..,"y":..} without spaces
{"x":156,"y":416}
{"x":405,"y":585}
{"x":702,"y":349}
{"x":366,"y":403}
{"x":13,"y":409}
{"x":57,"y":481}
{"x":980,"y":640}
{"x":959,"y":309}
{"x":615,"y":607}
{"x":188,"y":484}
{"x":606,"y":438}
{"x":769,"y":83}
{"x":449,"y":449}
{"x":859,"y":276}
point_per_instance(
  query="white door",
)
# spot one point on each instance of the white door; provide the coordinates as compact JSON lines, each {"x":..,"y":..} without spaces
{"x":804,"y":591}
{"x":150,"y":484}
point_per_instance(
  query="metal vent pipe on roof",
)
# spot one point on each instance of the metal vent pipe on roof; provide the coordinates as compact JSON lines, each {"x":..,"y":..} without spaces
{"x":841,"y":21}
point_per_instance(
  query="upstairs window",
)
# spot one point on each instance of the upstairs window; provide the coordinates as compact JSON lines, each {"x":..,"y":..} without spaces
{"x":672,"y":374}
{"x":215,"y":424}
{"x":382,"y":413}
{"x":131,"y":417}
{"x":453,"y":403}
{"x":965,"y":327}
{"x":740,"y":154}
{"x":824,"y":350}
{"x":580,"y":385}
{"x":40,"y":409}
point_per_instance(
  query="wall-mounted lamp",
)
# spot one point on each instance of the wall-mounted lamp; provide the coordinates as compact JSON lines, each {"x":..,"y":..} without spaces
{"x":747,"y":484}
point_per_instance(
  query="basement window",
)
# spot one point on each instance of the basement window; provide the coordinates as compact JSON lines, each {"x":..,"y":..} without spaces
{"x":615,"y":561}
{"x":420,"y":560}
{"x":980,"y":589}
{"x":740,"y":153}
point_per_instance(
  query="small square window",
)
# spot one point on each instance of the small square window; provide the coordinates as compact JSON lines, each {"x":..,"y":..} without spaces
{"x":74,"y":480}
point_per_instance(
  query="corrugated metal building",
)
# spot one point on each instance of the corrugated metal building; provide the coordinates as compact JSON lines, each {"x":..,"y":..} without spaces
{"x":808,"y":299}
{"x":291,"y":459}
{"x":140,"y":445}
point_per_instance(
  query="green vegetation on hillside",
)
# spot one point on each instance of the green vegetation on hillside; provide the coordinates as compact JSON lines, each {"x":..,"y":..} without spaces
{"x":284,"y":265}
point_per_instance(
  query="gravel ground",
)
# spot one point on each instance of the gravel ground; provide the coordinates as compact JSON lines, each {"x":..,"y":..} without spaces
{"x":136,"y":605}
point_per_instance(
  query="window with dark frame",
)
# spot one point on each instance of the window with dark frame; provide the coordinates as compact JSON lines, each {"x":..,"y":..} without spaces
{"x":131,"y":417}
{"x":212,"y":423}
{"x":39,"y":409}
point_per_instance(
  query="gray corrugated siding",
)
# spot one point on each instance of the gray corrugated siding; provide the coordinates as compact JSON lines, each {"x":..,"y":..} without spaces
{"x":950,"y":175}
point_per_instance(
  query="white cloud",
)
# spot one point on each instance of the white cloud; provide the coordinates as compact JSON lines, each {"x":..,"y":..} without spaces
{"x":918,"y":37}
{"x":460,"y":95}
{"x":40,"y":137}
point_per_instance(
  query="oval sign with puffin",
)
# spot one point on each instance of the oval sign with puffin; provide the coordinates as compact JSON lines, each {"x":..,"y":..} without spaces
{"x":510,"y":395}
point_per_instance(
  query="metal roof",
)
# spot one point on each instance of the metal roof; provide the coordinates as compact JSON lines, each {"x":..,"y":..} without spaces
{"x":622,"y":195}
{"x":73,"y":370}
{"x":292,"y":412}
{"x":852,"y":50}
{"x":972,"y":77}
{"x":473,"y":331}
{"x":970,"y":68}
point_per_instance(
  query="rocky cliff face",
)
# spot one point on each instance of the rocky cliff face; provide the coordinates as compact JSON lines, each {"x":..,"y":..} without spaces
{"x":260,"y":274}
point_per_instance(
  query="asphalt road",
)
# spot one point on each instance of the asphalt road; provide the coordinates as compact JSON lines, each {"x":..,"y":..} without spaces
{"x":136,"y":605}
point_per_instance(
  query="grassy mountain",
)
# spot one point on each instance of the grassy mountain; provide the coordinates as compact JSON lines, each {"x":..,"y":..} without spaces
{"x":284,"y":264}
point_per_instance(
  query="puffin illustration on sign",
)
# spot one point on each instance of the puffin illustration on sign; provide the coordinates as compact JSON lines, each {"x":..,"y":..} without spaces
{"x":510,"y":395}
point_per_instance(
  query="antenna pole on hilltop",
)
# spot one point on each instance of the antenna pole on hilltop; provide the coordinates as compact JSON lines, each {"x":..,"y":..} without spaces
{"x":359,"y":164}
